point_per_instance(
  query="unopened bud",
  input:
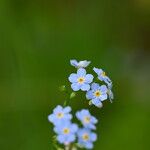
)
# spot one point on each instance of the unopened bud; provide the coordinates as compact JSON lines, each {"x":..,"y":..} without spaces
{"x":62,"y":88}
{"x":90,"y":103}
{"x":72,"y":95}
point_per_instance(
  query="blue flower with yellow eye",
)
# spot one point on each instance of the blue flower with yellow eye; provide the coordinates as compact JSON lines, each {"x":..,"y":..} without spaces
{"x":86,"y":119}
{"x":80,"y":80}
{"x":97,"y":94}
{"x":86,"y":138}
{"x":60,"y":114}
{"x":102,"y":75}
{"x":80,"y":64}
{"x":66,"y":132}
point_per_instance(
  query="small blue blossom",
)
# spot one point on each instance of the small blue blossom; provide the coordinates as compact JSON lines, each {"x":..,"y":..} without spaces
{"x":97,"y":94}
{"x":86,"y":138}
{"x":80,"y":64}
{"x":60,"y":114}
{"x":102,"y":75}
{"x":110,"y":93}
{"x":81,"y":80}
{"x":86,"y":119}
{"x":66,"y":132}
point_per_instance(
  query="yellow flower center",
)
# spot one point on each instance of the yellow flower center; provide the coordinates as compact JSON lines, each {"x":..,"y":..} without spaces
{"x":97,"y":93}
{"x":66,"y":131}
{"x":85,"y":137}
{"x":60,"y":115}
{"x":86,"y":119}
{"x":81,"y":80}
{"x":103,"y":74}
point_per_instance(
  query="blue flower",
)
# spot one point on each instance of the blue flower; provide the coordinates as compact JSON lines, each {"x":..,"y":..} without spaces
{"x":80,"y":64}
{"x":81,"y":80}
{"x":110,"y":93}
{"x":97,"y":94}
{"x":102,"y":75}
{"x":66,"y":132}
{"x":60,"y":114}
{"x":86,"y":119}
{"x":86,"y":138}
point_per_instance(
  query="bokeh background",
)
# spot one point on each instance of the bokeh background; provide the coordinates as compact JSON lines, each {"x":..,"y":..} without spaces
{"x":37,"y":40}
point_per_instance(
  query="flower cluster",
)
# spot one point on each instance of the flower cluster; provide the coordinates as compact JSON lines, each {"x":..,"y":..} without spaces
{"x":86,"y":136}
{"x":68,"y":132}
{"x":95,"y":92}
{"x":69,"y":135}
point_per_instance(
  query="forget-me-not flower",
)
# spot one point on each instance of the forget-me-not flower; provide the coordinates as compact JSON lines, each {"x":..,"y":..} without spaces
{"x":66,"y":132}
{"x":102,"y":75}
{"x":86,"y":119}
{"x":80,"y":64}
{"x":110,"y":93}
{"x":97,"y":94}
{"x":81,"y":80}
{"x":86,"y":138}
{"x":60,"y":114}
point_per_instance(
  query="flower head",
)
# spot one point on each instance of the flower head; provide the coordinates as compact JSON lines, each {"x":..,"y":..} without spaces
{"x":81,"y":80}
{"x":110,"y":93}
{"x":97,"y":94}
{"x":80,"y":64}
{"x":86,"y":138}
{"x":66,"y":132}
{"x":102,"y":75}
{"x":60,"y":114}
{"x":86,"y":119}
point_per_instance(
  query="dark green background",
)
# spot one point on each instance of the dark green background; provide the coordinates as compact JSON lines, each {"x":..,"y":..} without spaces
{"x":37,"y":40}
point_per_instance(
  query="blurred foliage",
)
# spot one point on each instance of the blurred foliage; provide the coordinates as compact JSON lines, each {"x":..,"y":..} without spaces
{"x":37,"y":40}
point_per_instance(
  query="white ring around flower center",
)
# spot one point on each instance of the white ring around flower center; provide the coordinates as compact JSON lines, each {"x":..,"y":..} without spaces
{"x":97,"y":93}
{"x":86,"y":119}
{"x":60,"y":115}
{"x":103,"y":74}
{"x":81,"y":80}
{"x":66,"y":130}
{"x":85,"y":137}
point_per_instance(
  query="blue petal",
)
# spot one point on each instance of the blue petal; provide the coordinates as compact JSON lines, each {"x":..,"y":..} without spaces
{"x":85,"y":87}
{"x":78,"y":115}
{"x":51,"y":117}
{"x":75,"y":86}
{"x":89,"y":94}
{"x":97,"y":102}
{"x":73,"y":78}
{"x":98,"y":71}
{"x":58,"y":109}
{"x":94,"y":120}
{"x":74,"y":128}
{"x":93,"y":137}
{"x":83,"y":63}
{"x":81,"y":72}
{"x":74,"y":63}
{"x":89,"y":145}
{"x":95,"y":86}
{"x":61,"y":138}
{"x":91,"y":126}
{"x":101,"y":78}
{"x":103,"y":89}
{"x":67,"y":109}
{"x":111,"y":95}
{"x":85,"y":112}
{"x":103,"y":97}
{"x":71,"y":138}
{"x":89,"y":78}
{"x":68,"y":116}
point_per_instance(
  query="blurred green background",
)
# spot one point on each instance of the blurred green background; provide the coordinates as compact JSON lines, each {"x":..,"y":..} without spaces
{"x":37,"y":40}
